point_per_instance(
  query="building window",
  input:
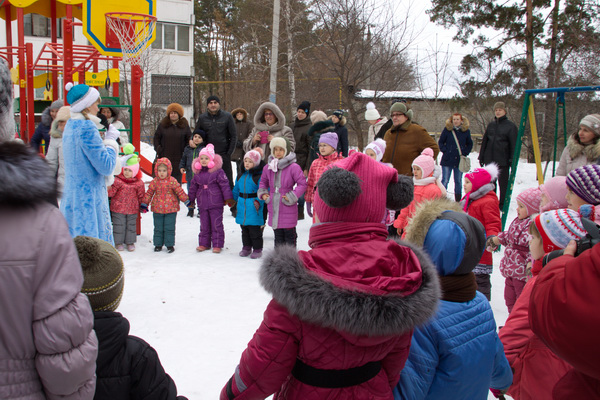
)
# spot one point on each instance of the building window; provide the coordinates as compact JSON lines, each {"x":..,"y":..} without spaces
{"x":167,"y":89}
{"x":172,"y":37}
{"x":38,"y":25}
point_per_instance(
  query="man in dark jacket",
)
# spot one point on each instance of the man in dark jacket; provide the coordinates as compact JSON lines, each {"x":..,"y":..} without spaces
{"x":219,"y":128}
{"x":42,"y":132}
{"x":498,"y":145}
{"x":300,"y":128}
{"x":127,"y":367}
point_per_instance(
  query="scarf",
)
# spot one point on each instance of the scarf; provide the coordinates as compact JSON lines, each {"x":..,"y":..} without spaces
{"x":274,"y":164}
{"x":458,"y":288}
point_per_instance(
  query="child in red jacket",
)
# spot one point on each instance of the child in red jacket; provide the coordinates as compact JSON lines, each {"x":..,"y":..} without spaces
{"x":536,"y":369}
{"x":127,"y":192}
{"x":165,"y":193}
{"x":513,"y":265}
{"x":481,"y":202}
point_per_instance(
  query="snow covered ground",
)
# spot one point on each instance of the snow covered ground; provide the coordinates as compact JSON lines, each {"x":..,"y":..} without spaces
{"x":199,"y":310}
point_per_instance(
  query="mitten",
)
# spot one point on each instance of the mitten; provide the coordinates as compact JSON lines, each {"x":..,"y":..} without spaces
{"x":111,"y":133}
{"x":490,"y":245}
{"x":390,"y":217}
{"x":256,"y":205}
{"x":187,"y":203}
{"x":309,"y":209}
{"x":230,"y":203}
{"x":143,"y":208}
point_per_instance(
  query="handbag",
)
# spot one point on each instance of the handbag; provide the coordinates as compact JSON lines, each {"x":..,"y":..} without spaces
{"x":464,"y":165}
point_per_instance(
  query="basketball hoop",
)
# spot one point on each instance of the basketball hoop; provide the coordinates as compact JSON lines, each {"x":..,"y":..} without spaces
{"x":133,"y":31}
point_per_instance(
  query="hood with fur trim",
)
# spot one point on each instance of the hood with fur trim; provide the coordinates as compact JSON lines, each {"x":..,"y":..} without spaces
{"x":591,"y":151}
{"x":46,"y":118}
{"x":342,"y":122}
{"x":321,"y":127}
{"x":424,"y":215}
{"x":259,"y":119}
{"x":464,"y":127}
{"x":18,"y":164}
{"x":218,"y":160}
{"x":239,"y":110}
{"x":374,"y":296}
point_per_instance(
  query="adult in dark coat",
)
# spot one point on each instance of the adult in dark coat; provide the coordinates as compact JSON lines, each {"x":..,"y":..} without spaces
{"x":243,"y":127}
{"x":498,"y":145}
{"x":320,"y":125}
{"x":172,"y":136}
{"x":42,"y":132}
{"x":300,"y":128}
{"x":220,"y":131}
{"x":457,"y":125}
{"x":340,"y":128}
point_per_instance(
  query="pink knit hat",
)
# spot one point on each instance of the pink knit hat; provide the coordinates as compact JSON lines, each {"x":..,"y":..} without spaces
{"x":358,"y":189}
{"x":209,"y":151}
{"x":378,"y":147}
{"x":255,"y":155}
{"x":425,"y":162}
{"x":555,"y":190}
{"x":531,"y":199}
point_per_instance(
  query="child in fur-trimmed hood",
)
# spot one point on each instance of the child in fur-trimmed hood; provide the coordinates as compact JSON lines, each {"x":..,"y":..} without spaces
{"x":341,"y":319}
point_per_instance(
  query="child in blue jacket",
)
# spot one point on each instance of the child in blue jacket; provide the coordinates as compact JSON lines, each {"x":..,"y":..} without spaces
{"x":457,"y":354}
{"x":249,"y":207}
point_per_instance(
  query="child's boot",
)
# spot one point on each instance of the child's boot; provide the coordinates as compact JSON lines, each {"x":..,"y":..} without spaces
{"x":216,"y":250}
{"x":202,"y":248}
{"x":120,"y":247}
{"x":131,"y":247}
{"x":246,"y":250}
{"x":257,"y":253}
{"x":157,"y":248}
{"x":170,"y":249}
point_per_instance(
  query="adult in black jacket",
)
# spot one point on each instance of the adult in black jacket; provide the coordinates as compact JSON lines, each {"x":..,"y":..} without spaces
{"x":127,"y":367}
{"x":172,"y":136}
{"x":498,"y":145}
{"x":42,"y":132}
{"x":340,"y":128}
{"x":300,"y":128}
{"x":219,"y":128}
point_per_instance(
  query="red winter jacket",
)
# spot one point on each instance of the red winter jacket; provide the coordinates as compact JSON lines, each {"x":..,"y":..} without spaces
{"x":487,"y":211}
{"x":351,"y":300}
{"x":563,"y":312}
{"x":164,"y":193}
{"x":127,"y":195}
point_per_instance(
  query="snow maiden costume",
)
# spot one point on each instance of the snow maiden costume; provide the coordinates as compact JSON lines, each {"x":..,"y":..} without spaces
{"x":341,"y":319}
{"x":89,"y":166}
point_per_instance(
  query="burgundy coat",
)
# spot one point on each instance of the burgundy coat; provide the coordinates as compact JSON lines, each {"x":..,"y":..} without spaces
{"x":353,"y":299}
{"x":283,"y":214}
{"x":127,"y":195}
{"x":210,"y":187}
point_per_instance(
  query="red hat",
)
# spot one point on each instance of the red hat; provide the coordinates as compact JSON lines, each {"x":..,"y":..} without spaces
{"x":358,"y":189}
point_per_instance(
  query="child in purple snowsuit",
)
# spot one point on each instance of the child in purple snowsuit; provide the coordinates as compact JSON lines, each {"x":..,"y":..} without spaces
{"x":276,"y":188}
{"x":210,"y":188}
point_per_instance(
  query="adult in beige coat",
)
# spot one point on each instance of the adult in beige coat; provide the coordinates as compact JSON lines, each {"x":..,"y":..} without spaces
{"x":583,"y":147}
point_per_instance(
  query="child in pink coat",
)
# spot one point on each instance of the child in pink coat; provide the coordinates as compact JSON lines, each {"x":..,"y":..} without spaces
{"x":427,"y":186}
{"x":127,"y":192}
{"x":536,"y":369}
{"x":513,"y":265}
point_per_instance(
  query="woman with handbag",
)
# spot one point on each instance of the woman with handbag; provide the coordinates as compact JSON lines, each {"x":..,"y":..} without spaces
{"x":455,"y":144}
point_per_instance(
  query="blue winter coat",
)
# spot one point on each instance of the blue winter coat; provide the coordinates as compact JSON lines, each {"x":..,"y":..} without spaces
{"x":450,"y":153}
{"x":87,"y":161}
{"x":247,"y":184}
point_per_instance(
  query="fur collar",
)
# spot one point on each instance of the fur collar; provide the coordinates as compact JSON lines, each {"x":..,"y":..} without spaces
{"x":46,"y":118}
{"x":464,"y":127}
{"x":181,"y":124}
{"x":79,"y":116}
{"x":259,"y":119}
{"x":54,"y":131}
{"x":576,"y":149}
{"x":316,"y":300}
{"x":321,"y":127}
{"x":18,"y":165}
{"x":425,"y":213}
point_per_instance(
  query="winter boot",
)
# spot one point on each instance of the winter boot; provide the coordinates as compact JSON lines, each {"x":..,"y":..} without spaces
{"x":120,"y":247}
{"x":257,"y":253}
{"x":190,"y":212}
{"x":202,"y":248}
{"x":131,"y":247}
{"x":170,"y":249}
{"x":157,"y":248}
{"x":216,"y":250}
{"x":246,"y":250}
{"x":300,"y":213}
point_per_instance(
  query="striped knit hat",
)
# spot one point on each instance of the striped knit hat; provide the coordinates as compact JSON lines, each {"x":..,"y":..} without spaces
{"x":103,"y":273}
{"x":585,"y":183}
{"x":558,"y":227}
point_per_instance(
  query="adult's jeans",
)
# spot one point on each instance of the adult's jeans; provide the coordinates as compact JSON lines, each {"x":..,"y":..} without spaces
{"x":446,"y":172}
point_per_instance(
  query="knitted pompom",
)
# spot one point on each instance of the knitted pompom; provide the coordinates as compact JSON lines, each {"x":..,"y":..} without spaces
{"x":370,"y":105}
{"x":128,"y":149}
{"x":68,"y":86}
{"x":338,"y":187}
{"x":260,"y":151}
{"x":88,"y":249}
{"x":427,"y":152}
{"x":196,"y":166}
{"x":400,"y":194}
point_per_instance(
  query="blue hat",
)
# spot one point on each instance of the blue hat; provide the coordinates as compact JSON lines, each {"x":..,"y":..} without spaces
{"x":81,"y":96}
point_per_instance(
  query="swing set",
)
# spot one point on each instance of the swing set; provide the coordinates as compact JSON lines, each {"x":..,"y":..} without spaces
{"x":528,"y":114}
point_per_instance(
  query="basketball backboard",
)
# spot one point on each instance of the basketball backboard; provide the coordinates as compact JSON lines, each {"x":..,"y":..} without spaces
{"x":94,"y":21}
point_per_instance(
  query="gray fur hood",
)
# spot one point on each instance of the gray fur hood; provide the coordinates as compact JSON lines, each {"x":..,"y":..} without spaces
{"x":18,"y":165}
{"x":315,"y":300}
{"x":576,"y":149}
{"x":259,"y":119}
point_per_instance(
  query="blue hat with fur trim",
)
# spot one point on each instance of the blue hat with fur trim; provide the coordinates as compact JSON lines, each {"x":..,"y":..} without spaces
{"x":81,"y":96}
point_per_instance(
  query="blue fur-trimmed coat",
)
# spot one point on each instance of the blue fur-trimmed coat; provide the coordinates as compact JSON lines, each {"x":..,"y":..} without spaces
{"x":88,"y":162}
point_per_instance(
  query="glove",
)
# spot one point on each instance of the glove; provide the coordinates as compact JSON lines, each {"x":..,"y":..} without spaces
{"x":230,"y":203}
{"x":111,"y":133}
{"x":309,"y":209}
{"x":143,"y":208}
{"x":490,"y":245}
{"x":187,"y":203}
{"x":256,"y":205}
{"x":190,"y":212}
{"x":499,"y":394}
